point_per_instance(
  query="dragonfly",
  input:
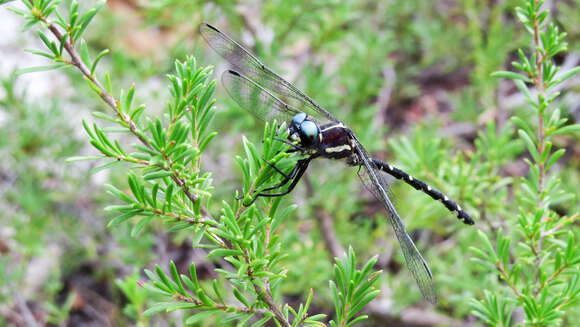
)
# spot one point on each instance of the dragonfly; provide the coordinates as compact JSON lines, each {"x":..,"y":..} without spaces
{"x":315,"y":133}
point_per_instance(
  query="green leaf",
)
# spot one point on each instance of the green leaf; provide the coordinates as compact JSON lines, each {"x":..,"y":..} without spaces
{"x":204,"y":298}
{"x":574,"y":128}
{"x":336,"y":299}
{"x":197,"y":237}
{"x":49,"y":44}
{"x":122,"y":218}
{"x":180,"y":226}
{"x":118,"y":194}
{"x":109,"y":85}
{"x":157,"y":175}
{"x":101,"y":115}
{"x":261,"y":321}
{"x":511,"y":75}
{"x":569,"y":74}
{"x":175,"y":277}
{"x":136,"y":114}
{"x":88,"y":17}
{"x":84,"y":52}
{"x":357,"y":319}
{"x":530,"y":145}
{"x":488,"y":245}
{"x":163,"y":278}
{"x":103,"y":167}
{"x":217,"y":292}
{"x":525,"y":91}
{"x":198,"y":317}
{"x":97,"y":59}
{"x":129,"y":98}
{"x":158,"y":307}
{"x":223,"y":253}
{"x":40,"y":53}
{"x":241,"y":297}
{"x":187,"y":281}
{"x":555,"y":156}
{"x":39,"y":69}
{"x":139,"y":226}
{"x":193,"y":275}
{"x":83,"y":158}
{"x":206,"y":141}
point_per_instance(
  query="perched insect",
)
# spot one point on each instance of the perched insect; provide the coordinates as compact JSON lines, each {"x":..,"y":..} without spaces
{"x":315,"y":132}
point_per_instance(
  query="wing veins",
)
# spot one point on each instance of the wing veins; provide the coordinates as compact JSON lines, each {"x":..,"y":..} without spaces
{"x":415,"y":262}
{"x":247,"y":64}
{"x":256,"y":99}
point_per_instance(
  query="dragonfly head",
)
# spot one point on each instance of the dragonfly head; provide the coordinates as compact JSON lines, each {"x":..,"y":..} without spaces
{"x":304,"y":131}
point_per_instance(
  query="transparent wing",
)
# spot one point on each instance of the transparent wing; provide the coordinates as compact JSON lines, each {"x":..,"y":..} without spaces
{"x":385,"y":179}
{"x":255,"y":99}
{"x":376,"y":183}
{"x":245,"y":63}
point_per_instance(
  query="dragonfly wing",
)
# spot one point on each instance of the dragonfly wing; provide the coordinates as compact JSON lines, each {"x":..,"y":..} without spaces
{"x":255,"y":99}
{"x":377,"y":184}
{"x":250,"y":66}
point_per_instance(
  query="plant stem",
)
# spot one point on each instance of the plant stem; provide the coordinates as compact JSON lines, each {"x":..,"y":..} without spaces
{"x":507,"y":280}
{"x":539,"y":82}
{"x":226,"y":308}
{"x":191,"y":220}
{"x":264,"y":293}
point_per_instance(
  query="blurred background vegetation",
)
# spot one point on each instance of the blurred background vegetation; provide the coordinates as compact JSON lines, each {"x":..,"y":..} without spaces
{"x":411,"y":78}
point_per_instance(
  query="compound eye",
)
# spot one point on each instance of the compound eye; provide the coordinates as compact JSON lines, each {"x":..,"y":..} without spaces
{"x":298,"y":119}
{"x":309,"y":133}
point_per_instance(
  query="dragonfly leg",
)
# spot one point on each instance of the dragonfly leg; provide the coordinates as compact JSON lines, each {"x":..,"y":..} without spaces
{"x":241,"y":196}
{"x":295,"y":148}
{"x":295,"y":174}
{"x":300,"y":169}
{"x":286,"y":179}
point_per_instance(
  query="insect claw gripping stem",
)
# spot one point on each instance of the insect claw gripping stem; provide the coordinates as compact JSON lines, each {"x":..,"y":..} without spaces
{"x":251,"y":202}
{"x":240,"y":196}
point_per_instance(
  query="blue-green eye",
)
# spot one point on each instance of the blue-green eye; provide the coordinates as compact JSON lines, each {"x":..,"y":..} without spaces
{"x":309,"y":133}
{"x":298,"y":119}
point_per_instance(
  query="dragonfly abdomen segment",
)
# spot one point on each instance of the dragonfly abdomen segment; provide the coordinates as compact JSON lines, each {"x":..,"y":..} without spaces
{"x":422,"y":186}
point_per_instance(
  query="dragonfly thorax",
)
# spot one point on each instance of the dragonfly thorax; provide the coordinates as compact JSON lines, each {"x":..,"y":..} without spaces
{"x":332,"y":140}
{"x":304,"y":131}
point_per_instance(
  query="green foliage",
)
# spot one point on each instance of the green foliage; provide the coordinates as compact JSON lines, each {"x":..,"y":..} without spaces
{"x":35,"y":138}
{"x":568,"y":14}
{"x":497,"y":310}
{"x":167,"y":182}
{"x":373,"y":64}
{"x":170,"y":173}
{"x":57,"y":314}
{"x":136,"y":296}
{"x":353,"y":289}
{"x":541,"y":267}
